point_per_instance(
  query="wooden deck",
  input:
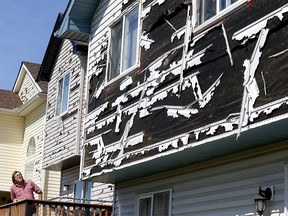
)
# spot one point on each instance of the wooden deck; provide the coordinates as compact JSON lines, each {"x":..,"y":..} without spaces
{"x":53,"y":208}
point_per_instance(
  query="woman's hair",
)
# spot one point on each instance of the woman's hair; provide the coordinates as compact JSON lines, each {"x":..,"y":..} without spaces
{"x":13,"y":176}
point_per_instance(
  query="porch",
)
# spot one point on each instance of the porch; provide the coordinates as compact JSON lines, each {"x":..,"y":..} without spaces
{"x":54,"y":208}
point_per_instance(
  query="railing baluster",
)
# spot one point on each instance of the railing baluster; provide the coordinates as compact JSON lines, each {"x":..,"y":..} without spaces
{"x":50,"y":210}
{"x":74,"y":211}
{"x":54,"y":208}
{"x":68,"y":210}
{"x":106,"y":212}
{"x":62,"y":210}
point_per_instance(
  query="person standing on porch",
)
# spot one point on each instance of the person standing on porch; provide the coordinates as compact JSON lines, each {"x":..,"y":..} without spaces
{"x":22,"y":189}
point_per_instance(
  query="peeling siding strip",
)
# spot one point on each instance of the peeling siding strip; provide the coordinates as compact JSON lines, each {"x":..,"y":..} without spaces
{"x":251,"y":30}
{"x":251,"y":91}
{"x":93,"y":116}
{"x":187,"y":39}
{"x":278,"y":54}
{"x":227,"y":45}
{"x":146,"y":42}
{"x":125,"y":83}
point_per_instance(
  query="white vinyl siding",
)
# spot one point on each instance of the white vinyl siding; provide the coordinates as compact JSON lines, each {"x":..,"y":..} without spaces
{"x":100,"y":192}
{"x":69,"y":177}
{"x":11,"y":137}
{"x":62,"y":132}
{"x":227,"y":189}
{"x":28,"y":89}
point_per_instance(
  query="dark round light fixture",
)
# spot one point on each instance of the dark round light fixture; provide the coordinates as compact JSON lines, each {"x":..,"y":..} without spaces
{"x":261,"y":201}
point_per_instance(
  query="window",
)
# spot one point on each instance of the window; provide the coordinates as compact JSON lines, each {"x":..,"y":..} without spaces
{"x":209,"y":8}
{"x":30,"y":159}
{"x":63,"y":94}
{"x":124,"y":44}
{"x":154,"y":204}
{"x":79,"y":186}
{"x":31,"y":147}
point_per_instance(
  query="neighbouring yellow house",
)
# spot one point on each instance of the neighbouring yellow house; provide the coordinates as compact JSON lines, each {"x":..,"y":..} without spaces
{"x":22,"y":123}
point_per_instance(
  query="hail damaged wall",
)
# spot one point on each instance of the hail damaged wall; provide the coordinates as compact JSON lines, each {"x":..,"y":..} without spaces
{"x":188,"y":86}
{"x":62,"y":132}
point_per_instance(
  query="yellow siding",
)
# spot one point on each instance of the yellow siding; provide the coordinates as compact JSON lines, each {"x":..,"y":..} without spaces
{"x":34,"y":128}
{"x":52,"y":184}
{"x":11,"y":136}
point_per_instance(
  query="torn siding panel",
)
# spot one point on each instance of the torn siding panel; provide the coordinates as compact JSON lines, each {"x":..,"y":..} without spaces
{"x":163,"y":21}
{"x":175,"y":113}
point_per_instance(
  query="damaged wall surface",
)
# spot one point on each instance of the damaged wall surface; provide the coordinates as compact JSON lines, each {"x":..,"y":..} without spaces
{"x":188,"y":86}
{"x":62,"y":132}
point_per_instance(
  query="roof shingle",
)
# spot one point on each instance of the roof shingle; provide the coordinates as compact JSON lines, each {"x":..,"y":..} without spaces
{"x":9,"y":99}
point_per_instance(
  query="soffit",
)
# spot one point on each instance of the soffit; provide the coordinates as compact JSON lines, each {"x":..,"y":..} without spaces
{"x":76,"y":24}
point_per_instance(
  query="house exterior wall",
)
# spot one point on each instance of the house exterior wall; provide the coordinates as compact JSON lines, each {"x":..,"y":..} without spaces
{"x":34,"y":129}
{"x":100,"y":193}
{"x":51,"y":184}
{"x":11,"y":138}
{"x":62,"y":132}
{"x":28,"y":89}
{"x":173,"y":102}
{"x":219,"y":187}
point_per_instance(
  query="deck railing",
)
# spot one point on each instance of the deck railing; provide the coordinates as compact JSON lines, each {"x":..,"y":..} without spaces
{"x":54,"y":208}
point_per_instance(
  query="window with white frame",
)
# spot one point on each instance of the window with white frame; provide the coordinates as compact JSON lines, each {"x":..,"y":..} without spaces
{"x":30,"y":159}
{"x":210,"y":8}
{"x":123,"y":51}
{"x":82,"y":191}
{"x":155,"y":203}
{"x":63,"y":94}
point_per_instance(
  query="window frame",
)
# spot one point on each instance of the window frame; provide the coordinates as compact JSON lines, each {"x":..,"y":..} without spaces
{"x":83,"y":187}
{"x":30,"y":159}
{"x":151,"y":195}
{"x":59,"y":111}
{"x":121,"y":18}
{"x":219,"y":14}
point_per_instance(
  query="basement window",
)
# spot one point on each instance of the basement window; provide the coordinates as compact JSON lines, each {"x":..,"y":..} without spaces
{"x":63,"y":94}
{"x":155,"y":203}
{"x":208,"y":9}
{"x":123,"y":51}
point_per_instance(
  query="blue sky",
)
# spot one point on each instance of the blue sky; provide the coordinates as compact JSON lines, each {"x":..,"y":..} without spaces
{"x":26,"y":27}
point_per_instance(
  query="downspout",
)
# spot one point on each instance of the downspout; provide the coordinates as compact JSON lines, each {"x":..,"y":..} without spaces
{"x":84,"y":90}
{"x":79,"y":116}
{"x":44,"y":183}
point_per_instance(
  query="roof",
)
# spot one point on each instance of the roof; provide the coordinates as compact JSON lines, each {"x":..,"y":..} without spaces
{"x":34,"y":69}
{"x":76,"y":24}
{"x":9,"y":99}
